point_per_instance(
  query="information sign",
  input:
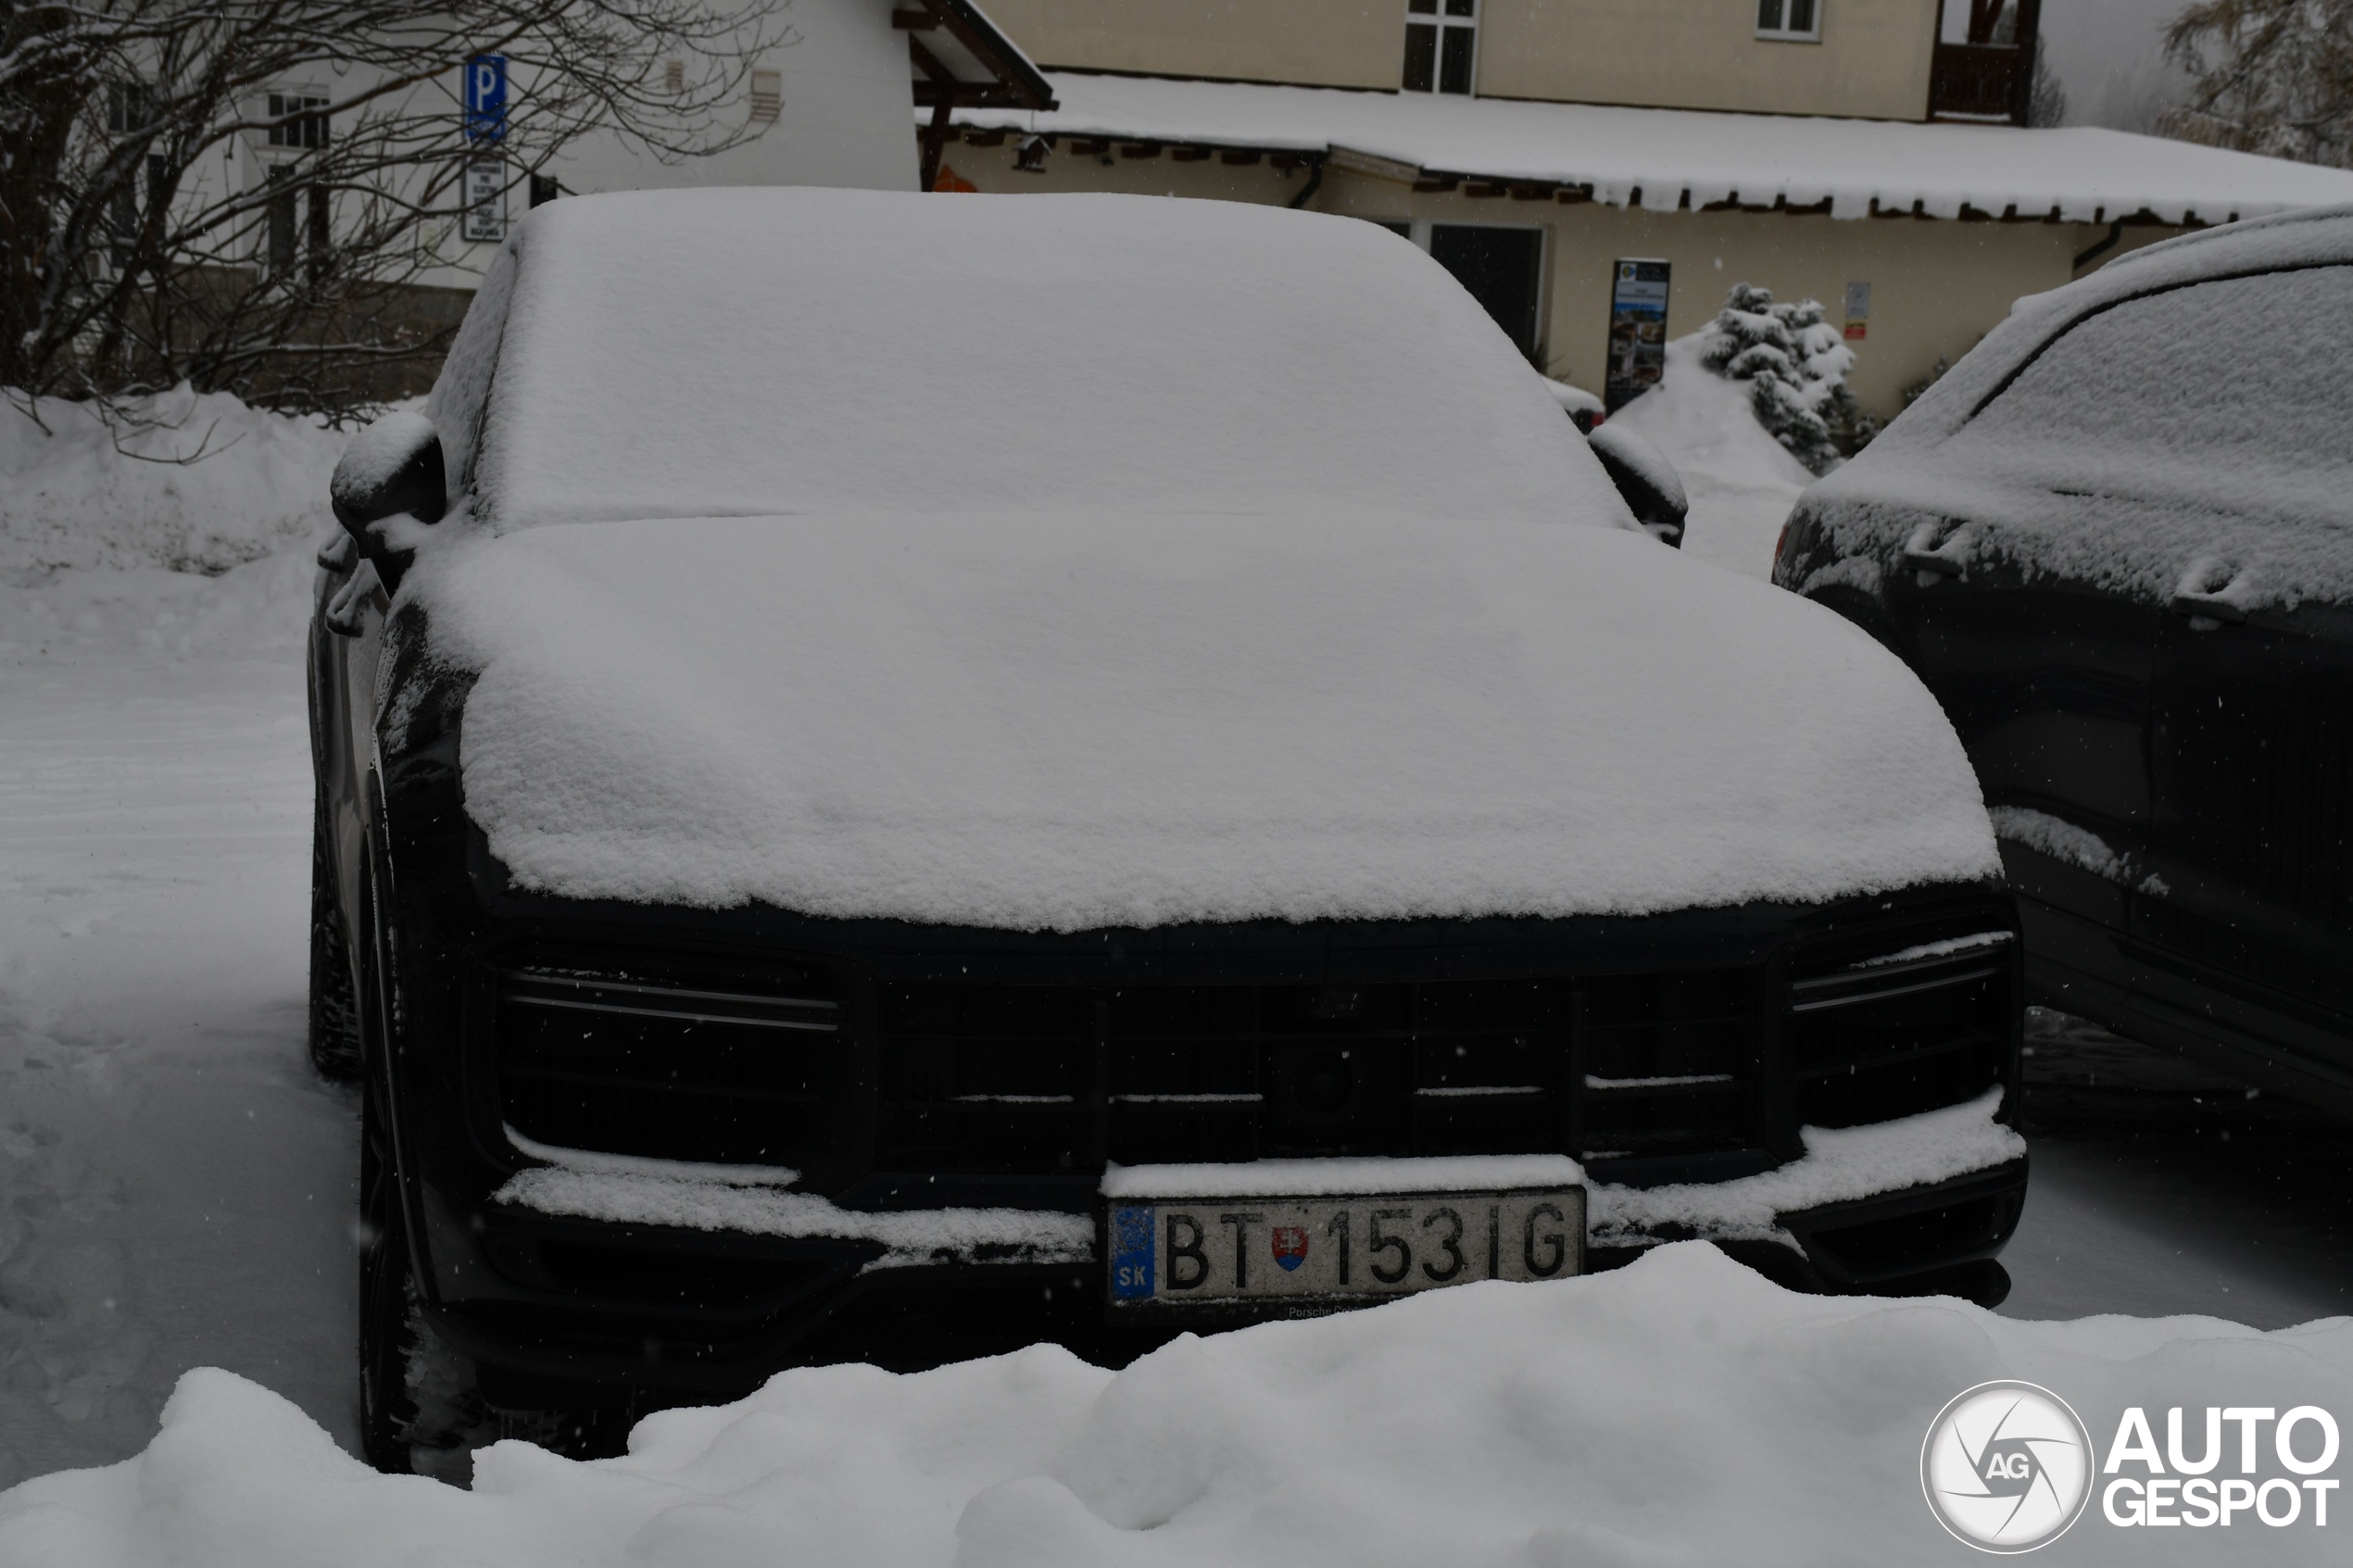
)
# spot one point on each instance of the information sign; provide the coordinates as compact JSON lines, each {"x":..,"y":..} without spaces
{"x":1637,"y":330}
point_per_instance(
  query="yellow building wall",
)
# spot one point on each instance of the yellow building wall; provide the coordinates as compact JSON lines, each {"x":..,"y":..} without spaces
{"x":1321,"y":42}
{"x":1873,"y":60}
{"x":1937,"y":287}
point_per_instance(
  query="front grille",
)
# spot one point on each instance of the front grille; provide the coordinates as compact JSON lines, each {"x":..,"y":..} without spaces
{"x":1909,"y":1029}
{"x":1026,"y":1079}
{"x":726,"y":1065}
{"x":1666,"y":1065}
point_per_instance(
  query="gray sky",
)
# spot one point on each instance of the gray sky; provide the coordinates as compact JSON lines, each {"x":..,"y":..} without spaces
{"x":2107,"y":53}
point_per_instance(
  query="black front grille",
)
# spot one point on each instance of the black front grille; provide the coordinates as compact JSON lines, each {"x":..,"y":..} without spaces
{"x":1003,"y":1079}
{"x":731,"y":1066}
{"x":1667,"y":1065}
{"x":1911,"y":1029}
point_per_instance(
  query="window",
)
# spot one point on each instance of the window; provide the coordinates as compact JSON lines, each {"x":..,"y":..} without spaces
{"x":1439,"y":51}
{"x":282,"y":218}
{"x":291,"y":124}
{"x":124,"y":214}
{"x":767,"y":96}
{"x":129,"y":107}
{"x":1794,"y":21}
{"x":2229,"y":394}
{"x":543,"y":189}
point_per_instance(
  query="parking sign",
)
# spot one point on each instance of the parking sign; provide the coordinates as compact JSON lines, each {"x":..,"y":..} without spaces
{"x":486,"y":98}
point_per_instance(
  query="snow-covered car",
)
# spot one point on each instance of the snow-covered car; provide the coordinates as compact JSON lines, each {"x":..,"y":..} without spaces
{"x":902,"y":776}
{"x":2115,"y":540}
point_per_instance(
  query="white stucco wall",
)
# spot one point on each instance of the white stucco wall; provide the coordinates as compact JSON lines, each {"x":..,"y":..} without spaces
{"x":847,"y":117}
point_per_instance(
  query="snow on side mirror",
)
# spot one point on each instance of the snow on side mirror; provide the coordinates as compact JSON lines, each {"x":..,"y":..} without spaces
{"x":1654,"y":491}
{"x":392,"y":469}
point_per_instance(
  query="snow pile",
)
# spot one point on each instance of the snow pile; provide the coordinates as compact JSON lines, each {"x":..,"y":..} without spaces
{"x":1667,"y":160}
{"x":1741,"y":482}
{"x":2190,"y":441}
{"x":1041,"y":719}
{"x":181,"y":481}
{"x":258,"y":610}
{"x":1681,"y":1410}
{"x":762,"y":352}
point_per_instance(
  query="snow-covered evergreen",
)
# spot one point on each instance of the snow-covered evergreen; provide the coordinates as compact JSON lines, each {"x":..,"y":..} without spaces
{"x":1795,"y":364}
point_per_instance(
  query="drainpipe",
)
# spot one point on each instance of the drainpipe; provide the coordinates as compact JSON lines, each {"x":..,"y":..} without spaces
{"x":1314,"y":180}
{"x":2115,"y":238}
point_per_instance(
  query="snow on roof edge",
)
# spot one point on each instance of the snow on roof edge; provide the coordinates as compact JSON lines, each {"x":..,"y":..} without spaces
{"x":1661,"y":159}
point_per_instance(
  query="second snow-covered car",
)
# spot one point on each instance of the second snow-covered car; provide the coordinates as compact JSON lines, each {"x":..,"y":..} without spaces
{"x":2116,"y":542}
{"x":902,"y":775}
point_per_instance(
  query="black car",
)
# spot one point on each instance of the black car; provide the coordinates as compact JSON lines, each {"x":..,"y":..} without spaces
{"x":707,"y":1026}
{"x":2116,"y":542}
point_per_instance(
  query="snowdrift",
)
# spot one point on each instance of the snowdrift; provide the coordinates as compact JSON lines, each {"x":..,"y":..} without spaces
{"x":184,"y":482}
{"x":1742,"y":483}
{"x":1681,"y":1410}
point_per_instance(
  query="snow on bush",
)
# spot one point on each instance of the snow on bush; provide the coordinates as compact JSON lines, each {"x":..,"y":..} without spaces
{"x":1796,"y":365}
{"x":178,"y":480}
{"x":1681,"y":1410}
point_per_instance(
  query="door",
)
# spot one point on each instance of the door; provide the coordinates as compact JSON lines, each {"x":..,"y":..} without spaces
{"x":1504,"y":270}
{"x":2047,"y":679}
{"x":2180,"y":487}
{"x":2251,"y":866}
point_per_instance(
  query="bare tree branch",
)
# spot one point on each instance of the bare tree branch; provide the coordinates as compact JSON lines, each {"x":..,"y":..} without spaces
{"x":163,"y":218}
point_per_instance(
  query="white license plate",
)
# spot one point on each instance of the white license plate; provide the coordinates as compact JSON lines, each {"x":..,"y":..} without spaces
{"x":1202,"y":1250}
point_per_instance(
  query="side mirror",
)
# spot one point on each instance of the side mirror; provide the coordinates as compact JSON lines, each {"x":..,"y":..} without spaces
{"x":1643,"y":476}
{"x":392,"y":469}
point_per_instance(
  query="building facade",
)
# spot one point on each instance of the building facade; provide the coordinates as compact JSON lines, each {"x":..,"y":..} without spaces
{"x":1831,"y":149}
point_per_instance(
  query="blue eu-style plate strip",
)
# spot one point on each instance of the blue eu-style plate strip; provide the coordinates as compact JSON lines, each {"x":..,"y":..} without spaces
{"x":1133,"y":1232}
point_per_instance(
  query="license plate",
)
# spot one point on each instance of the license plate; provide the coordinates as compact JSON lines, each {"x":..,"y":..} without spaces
{"x":1221,"y":1250}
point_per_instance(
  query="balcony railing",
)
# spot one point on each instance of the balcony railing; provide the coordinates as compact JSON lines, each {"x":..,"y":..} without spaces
{"x":1980,"y":81}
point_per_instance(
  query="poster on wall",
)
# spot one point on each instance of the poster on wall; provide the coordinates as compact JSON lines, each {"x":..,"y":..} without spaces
{"x":1637,"y":330}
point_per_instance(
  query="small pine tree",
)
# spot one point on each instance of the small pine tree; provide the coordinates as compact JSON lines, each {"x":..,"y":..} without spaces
{"x":1796,"y":363}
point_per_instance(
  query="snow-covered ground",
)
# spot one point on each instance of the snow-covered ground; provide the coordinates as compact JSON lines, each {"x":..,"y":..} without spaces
{"x":1742,"y":484}
{"x":176,"y":1190}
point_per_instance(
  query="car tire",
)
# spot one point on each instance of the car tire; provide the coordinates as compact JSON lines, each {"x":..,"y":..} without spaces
{"x":335,"y":1014}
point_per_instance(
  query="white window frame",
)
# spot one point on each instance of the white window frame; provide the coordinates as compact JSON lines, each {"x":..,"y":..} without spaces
{"x":1437,"y":18}
{"x":1783,"y":10}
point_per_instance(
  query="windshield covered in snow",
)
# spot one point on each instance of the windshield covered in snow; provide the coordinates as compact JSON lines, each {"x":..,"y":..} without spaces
{"x":2232,"y":393}
{"x":750,"y":352}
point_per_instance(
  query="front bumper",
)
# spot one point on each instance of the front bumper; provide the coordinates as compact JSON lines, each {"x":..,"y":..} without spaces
{"x":739,"y":1308}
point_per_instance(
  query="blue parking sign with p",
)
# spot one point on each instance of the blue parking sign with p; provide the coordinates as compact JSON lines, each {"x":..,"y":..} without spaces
{"x":486,"y":98}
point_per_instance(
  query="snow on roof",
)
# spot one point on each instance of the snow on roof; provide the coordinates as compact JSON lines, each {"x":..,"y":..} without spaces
{"x":698,"y":353}
{"x":1651,"y":157}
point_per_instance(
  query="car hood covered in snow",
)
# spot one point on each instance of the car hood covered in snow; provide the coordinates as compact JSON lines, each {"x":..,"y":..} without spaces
{"x":1074,"y":720}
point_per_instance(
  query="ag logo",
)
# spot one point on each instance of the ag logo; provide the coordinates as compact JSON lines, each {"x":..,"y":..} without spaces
{"x":2006,"y":1467}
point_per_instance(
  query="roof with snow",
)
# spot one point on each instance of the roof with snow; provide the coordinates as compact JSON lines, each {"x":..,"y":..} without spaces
{"x":1667,"y":158}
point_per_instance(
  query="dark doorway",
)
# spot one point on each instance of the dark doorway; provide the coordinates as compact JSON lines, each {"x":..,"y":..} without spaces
{"x":1502,"y":269}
